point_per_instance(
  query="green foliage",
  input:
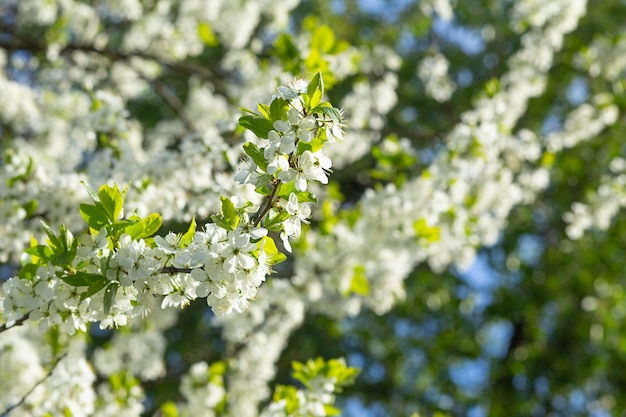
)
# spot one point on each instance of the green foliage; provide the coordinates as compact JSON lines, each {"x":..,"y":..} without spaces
{"x":333,"y":369}
{"x":187,"y":237}
{"x":169,"y":409}
{"x":359,"y":284}
{"x":255,"y":154}
{"x":423,"y":231}
{"x":229,"y":217}
{"x":260,"y":126}
{"x":274,"y":256}
{"x":207,"y":35}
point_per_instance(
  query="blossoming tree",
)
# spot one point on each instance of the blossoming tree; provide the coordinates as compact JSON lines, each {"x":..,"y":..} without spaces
{"x":226,"y":208}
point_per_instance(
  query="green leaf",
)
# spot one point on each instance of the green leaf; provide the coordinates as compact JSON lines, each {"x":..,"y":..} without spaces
{"x":135,"y":228}
{"x":28,"y":271}
{"x":189,"y":234}
{"x":63,"y":259}
{"x":229,"y":219}
{"x":169,"y":409}
{"x":257,"y":125}
{"x":288,"y":53}
{"x":92,"y":193}
{"x":288,"y":188}
{"x":30,"y":207}
{"x":94,"y":215}
{"x":332,"y":112}
{"x":152,"y":224}
{"x":112,"y":200}
{"x":278,"y":109}
{"x":228,"y":208}
{"x":207,"y":35}
{"x":53,"y":240}
{"x":256,"y":155}
{"x":329,"y":410}
{"x":323,"y":39}
{"x":40,"y":251}
{"x":269,"y":247}
{"x":264,"y":109}
{"x":274,"y":223}
{"x":290,"y":395}
{"x":219,"y":220}
{"x":359,"y":284}
{"x":63,"y":246}
{"x":423,"y":231}
{"x":81,"y":279}
{"x":109,"y":296}
{"x":94,"y":287}
{"x":314,"y":92}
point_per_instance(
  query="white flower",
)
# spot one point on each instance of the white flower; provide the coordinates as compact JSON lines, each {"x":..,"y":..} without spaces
{"x":247,"y":172}
{"x":296,"y":126}
{"x":237,"y":253}
{"x":300,"y":213}
{"x":277,"y":160}
{"x":312,"y":167}
{"x":167,"y":244}
{"x":293,"y":89}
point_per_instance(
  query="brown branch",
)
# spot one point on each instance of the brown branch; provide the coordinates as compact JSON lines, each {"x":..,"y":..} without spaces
{"x":174,"y":270}
{"x":269,"y":204}
{"x":18,"y":322}
{"x":15,"y":43}
{"x":30,"y":391}
{"x":174,"y":102}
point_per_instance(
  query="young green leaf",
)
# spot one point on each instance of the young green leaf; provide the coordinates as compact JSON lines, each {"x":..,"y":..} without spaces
{"x":269,"y":247}
{"x":274,"y":223}
{"x":332,"y":112}
{"x":314,"y":92}
{"x":256,"y":155}
{"x":81,"y":279}
{"x":278,"y":109}
{"x":94,"y":287}
{"x":257,"y":125}
{"x":94,"y":215}
{"x":152,"y":224}
{"x":264,"y":109}
{"x":109,"y":296}
{"x":187,"y":238}
{"x":40,"y":251}
{"x":112,"y":200}
{"x":288,"y":188}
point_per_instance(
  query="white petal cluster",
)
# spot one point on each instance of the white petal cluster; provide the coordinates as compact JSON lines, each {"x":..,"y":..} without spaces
{"x":462,"y":201}
{"x":222,"y":266}
{"x":433,"y":73}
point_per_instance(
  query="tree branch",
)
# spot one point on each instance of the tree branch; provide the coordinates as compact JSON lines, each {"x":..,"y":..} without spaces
{"x":30,"y":391}
{"x":15,"y":43}
{"x":269,"y":204}
{"x":18,"y":322}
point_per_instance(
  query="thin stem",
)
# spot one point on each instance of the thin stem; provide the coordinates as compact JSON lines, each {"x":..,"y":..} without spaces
{"x":18,"y":322}
{"x":269,"y":204}
{"x":30,"y":391}
{"x":174,"y":270}
{"x":174,"y":102}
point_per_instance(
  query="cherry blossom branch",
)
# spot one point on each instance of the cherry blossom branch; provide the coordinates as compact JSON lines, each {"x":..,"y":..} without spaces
{"x":269,"y":204}
{"x":18,"y":322}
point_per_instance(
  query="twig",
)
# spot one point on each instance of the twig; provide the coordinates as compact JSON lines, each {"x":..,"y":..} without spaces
{"x":18,"y":322}
{"x":41,"y":381}
{"x":174,"y":102}
{"x":269,"y":204}
{"x":15,"y":43}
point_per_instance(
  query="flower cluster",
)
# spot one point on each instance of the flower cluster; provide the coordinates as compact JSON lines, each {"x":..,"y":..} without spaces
{"x":321,"y":379}
{"x":116,"y":271}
